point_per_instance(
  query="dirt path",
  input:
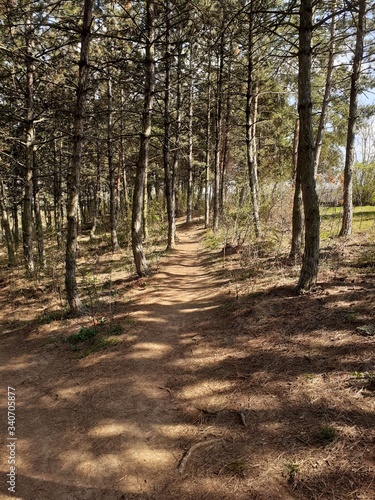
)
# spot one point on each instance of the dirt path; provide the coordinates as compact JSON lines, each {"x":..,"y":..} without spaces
{"x":116,"y":425}
{"x":272,"y":399}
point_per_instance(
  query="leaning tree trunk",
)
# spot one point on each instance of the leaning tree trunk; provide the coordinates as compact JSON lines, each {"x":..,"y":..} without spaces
{"x":305,"y":162}
{"x":347,"y":218}
{"x":73,"y":184}
{"x":143,"y":157}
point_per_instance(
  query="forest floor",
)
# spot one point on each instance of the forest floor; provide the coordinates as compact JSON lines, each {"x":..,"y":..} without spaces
{"x":209,"y":380}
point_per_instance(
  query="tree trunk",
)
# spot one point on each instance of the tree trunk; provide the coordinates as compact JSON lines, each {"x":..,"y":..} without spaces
{"x":145,"y":207}
{"x":251,"y":116}
{"x":73,"y":183}
{"x":297,"y":222}
{"x":177,"y":145}
{"x":347,"y":218}
{"x":122,"y":169}
{"x":225,"y":148}
{"x":6,"y":226}
{"x":305,"y":162}
{"x":189,"y":207}
{"x":27,"y":212}
{"x":97,"y":194}
{"x":208,"y":150}
{"x":143,"y":157}
{"x":15,"y":227}
{"x":38,"y":220}
{"x":112,"y":170}
{"x":327,"y":93}
{"x":168,"y":174}
{"x":218,"y":130}
{"x":57,"y":196}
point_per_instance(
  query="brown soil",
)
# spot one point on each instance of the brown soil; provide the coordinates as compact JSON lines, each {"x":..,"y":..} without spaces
{"x":220,"y":386}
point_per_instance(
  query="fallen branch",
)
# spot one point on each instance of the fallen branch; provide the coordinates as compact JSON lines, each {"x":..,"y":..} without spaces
{"x":191,"y":450}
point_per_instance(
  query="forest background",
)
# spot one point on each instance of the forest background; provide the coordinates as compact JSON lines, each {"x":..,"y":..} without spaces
{"x":118,"y":117}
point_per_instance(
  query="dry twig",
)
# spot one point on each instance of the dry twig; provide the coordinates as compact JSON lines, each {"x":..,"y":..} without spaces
{"x":192,"y":449}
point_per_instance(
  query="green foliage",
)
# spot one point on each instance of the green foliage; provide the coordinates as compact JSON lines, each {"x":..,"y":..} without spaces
{"x":84,"y":334}
{"x":101,"y":343}
{"x":364,"y":184}
{"x":95,"y":338}
{"x":237,"y":467}
{"x":331,"y":217}
{"x":212,"y":241}
{"x":47,"y":318}
{"x":327,"y":434}
{"x":291,"y":471}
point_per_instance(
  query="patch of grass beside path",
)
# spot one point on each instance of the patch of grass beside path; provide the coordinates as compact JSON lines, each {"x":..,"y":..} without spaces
{"x":363,"y":220}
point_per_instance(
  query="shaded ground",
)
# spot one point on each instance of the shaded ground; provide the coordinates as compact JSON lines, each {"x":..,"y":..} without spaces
{"x":222,"y":384}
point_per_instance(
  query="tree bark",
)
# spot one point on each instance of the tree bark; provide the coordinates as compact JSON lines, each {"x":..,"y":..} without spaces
{"x":177,"y":145}
{"x":305,"y":162}
{"x":73,"y":183}
{"x":168,"y":174}
{"x":112,"y":170}
{"x":327,"y":93}
{"x":27,"y":208}
{"x":225,"y":147}
{"x":218,"y":130}
{"x":347,"y":218}
{"x":208,"y":150}
{"x":57,"y":195}
{"x":251,"y":111}
{"x":122,"y":168}
{"x":38,"y":220}
{"x":6,"y":226}
{"x":297,"y":221}
{"x":143,"y":157}
{"x":97,"y":194}
{"x":189,"y":207}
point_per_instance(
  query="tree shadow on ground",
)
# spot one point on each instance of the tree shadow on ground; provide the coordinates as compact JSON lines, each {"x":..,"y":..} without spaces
{"x":257,"y":383}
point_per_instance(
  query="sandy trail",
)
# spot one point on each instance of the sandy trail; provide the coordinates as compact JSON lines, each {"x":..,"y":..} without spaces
{"x":113,"y":425}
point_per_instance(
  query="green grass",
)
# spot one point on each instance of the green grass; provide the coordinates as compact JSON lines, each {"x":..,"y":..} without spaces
{"x":331,"y":217}
{"x":327,"y":434}
{"x":89,"y":340}
{"x":101,"y":343}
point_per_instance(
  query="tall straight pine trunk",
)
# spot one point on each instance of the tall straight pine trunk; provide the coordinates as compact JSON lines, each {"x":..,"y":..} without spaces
{"x":327,"y":92}
{"x":73,"y":183}
{"x":5,"y":224}
{"x":347,"y":218}
{"x":189,"y":205}
{"x":218,"y":133}
{"x":27,"y":205}
{"x":144,"y":147}
{"x":251,"y":112}
{"x":305,"y":162}
{"x":297,"y":220}
{"x":168,"y":166}
{"x":112,"y":167}
{"x":208,"y":149}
